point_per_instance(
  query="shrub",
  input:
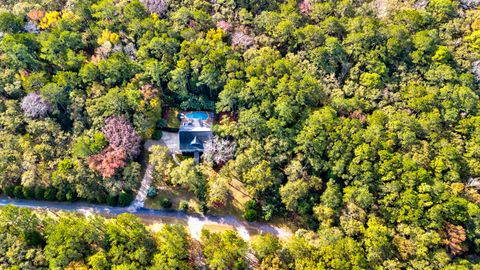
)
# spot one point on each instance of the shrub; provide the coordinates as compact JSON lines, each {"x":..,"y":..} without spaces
{"x":183,"y":206}
{"x":9,"y":191}
{"x":50,"y":194}
{"x":112,"y":200}
{"x":165,"y":203}
{"x":250,"y":215}
{"x":251,"y":211}
{"x":203,"y":208}
{"x":29,"y":192}
{"x":125,"y":199}
{"x":268,"y":211}
{"x":151,"y":192}
{"x":102,"y":199}
{"x":157,"y":134}
{"x":71,"y":196}
{"x":61,"y":195}
{"x":18,"y":192}
{"x":39,"y":193}
{"x":161,"y":123}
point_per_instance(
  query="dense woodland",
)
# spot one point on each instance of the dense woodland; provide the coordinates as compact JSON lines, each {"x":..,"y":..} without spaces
{"x":359,"y":121}
{"x":32,"y":240}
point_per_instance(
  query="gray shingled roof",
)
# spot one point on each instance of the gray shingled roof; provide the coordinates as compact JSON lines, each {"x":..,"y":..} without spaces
{"x":191,"y":141}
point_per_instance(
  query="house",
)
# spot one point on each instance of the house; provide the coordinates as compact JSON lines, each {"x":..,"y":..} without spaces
{"x":195,"y":130}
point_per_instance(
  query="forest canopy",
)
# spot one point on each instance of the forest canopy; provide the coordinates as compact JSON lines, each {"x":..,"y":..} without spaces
{"x":358,"y":121}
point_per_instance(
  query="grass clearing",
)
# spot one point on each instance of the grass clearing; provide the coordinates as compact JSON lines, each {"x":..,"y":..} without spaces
{"x":176,"y":195}
{"x":238,"y":196}
{"x":214,"y":228}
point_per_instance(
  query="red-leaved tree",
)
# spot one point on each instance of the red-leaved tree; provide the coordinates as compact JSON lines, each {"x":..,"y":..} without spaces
{"x":455,"y":237}
{"x":108,"y":161}
{"x":120,"y":134}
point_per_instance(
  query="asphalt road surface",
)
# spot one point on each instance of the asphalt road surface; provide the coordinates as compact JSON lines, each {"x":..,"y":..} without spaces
{"x":195,"y":222}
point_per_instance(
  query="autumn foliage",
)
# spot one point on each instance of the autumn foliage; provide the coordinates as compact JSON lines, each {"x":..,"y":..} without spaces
{"x":218,"y":150}
{"x":124,"y":143}
{"x":35,"y":106}
{"x":149,"y":92}
{"x":120,"y":134}
{"x":158,"y":7}
{"x":108,"y":161}
{"x":36,"y":14}
{"x":455,"y":237}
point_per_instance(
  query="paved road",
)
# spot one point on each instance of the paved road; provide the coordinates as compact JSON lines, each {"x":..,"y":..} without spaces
{"x":194,"y":222}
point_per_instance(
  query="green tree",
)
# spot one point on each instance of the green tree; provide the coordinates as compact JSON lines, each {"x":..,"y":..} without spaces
{"x":173,"y":244}
{"x":260,"y":178}
{"x":116,"y":70}
{"x":130,"y":244}
{"x":224,"y":250}
{"x":71,"y":239}
{"x":265,"y":245}
{"x":10,"y":23}
{"x":188,"y":175}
